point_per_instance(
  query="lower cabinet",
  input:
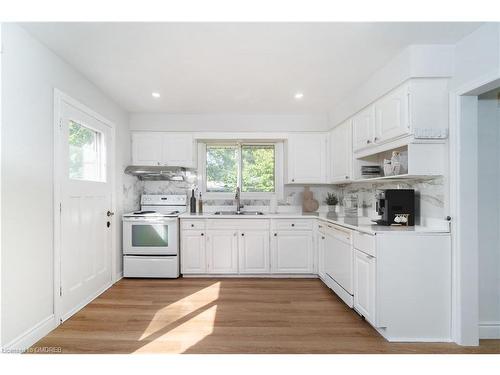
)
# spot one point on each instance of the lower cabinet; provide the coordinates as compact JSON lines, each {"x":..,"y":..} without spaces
{"x":193,"y":255}
{"x":222,"y":251}
{"x":253,"y":249}
{"x":364,"y":285}
{"x":321,"y":242}
{"x":292,"y":252}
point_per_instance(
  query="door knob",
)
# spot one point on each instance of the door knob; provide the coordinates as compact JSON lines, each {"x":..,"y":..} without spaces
{"x":110,"y":213}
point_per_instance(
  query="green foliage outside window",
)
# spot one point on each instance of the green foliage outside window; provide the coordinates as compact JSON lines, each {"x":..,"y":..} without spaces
{"x":257,"y":168}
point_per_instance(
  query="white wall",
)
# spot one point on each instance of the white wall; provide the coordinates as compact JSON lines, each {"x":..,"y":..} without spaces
{"x":30,"y":73}
{"x":228,"y":122}
{"x":415,"y":61}
{"x":489,"y":213}
{"x":476,"y":61}
{"x":477,"y":56}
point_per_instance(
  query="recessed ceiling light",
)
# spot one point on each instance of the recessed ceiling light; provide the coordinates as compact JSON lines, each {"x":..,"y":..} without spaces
{"x":155,"y":95}
{"x":298,"y":95}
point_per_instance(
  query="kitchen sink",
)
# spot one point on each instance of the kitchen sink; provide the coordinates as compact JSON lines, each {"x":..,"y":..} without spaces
{"x":239,"y":213}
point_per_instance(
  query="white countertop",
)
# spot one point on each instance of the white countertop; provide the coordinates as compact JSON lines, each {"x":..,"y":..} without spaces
{"x":361,"y":224}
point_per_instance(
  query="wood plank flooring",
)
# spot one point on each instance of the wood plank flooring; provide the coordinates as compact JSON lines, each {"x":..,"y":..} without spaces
{"x":227,"y":316}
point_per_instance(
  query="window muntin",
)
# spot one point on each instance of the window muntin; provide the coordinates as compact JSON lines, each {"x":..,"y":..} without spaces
{"x":86,"y":156}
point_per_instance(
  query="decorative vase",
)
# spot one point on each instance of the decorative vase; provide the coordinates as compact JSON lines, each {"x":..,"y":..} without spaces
{"x":309,"y":204}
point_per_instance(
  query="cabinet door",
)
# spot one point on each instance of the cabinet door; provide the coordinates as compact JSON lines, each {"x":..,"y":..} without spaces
{"x":321,"y":255}
{"x":307,"y":158}
{"x":178,"y":150}
{"x":147,"y":148}
{"x":364,"y":285}
{"x":292,"y":252}
{"x":363,"y":127}
{"x":222,"y":251}
{"x":341,"y":152}
{"x":253,"y":249}
{"x":193,"y":257}
{"x":392,"y":115}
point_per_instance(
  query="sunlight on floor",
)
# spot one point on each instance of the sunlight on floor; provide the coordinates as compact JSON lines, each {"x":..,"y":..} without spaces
{"x":174,"y":318}
{"x":184,"y":336}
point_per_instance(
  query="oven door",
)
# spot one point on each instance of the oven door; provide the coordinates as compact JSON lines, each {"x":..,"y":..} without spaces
{"x":150,"y":236}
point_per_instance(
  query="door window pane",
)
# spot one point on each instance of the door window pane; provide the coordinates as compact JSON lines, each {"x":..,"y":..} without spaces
{"x":85,"y":154}
{"x":257,"y":168}
{"x":152,"y":235}
{"x":222,"y":168}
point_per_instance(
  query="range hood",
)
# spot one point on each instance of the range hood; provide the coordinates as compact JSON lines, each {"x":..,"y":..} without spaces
{"x":158,"y":173}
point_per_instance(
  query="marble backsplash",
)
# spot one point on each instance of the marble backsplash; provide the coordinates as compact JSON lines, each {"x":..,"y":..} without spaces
{"x":430,"y":194}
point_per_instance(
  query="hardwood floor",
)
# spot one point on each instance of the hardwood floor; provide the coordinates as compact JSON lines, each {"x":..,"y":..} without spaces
{"x":227,"y":316}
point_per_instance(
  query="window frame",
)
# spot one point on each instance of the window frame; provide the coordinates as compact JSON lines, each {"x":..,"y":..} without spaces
{"x":278,"y":170}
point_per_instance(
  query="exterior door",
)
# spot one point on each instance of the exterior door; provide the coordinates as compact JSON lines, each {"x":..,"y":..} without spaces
{"x":85,"y":154}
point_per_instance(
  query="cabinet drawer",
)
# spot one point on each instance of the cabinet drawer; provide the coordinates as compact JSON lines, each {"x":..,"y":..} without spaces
{"x":365,"y":242}
{"x":238,"y":224}
{"x":193,"y":224}
{"x":293,"y":224}
{"x":150,"y":266}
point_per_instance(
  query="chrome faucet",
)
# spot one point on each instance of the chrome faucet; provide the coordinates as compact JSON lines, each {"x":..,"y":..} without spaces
{"x":239,"y":206}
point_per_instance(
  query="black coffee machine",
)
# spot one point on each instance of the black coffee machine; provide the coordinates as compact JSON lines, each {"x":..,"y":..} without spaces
{"x":396,"y":206}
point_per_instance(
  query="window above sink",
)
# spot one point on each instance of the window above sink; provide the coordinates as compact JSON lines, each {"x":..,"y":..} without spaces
{"x":255,"y":167}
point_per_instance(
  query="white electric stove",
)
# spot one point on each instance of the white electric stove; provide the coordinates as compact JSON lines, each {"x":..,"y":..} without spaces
{"x":151,"y":237}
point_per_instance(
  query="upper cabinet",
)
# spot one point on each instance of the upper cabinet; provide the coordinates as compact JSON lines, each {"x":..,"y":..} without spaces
{"x":363,"y":128}
{"x":392,"y":115}
{"x":307,"y":160}
{"x":418,"y":108}
{"x":341,"y":153}
{"x":163,"y":149}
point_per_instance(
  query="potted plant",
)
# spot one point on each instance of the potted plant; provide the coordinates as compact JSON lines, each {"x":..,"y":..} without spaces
{"x":332,"y":201}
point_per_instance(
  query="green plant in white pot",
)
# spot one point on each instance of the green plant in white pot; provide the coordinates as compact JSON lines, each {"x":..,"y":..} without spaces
{"x":332,"y":201}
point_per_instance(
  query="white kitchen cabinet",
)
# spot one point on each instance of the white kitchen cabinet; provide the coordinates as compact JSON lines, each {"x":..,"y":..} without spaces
{"x":163,"y":149}
{"x":147,"y":148}
{"x":321,"y":243}
{"x":222,"y":251}
{"x":364,"y":285}
{"x":392,"y":115}
{"x":292,"y":252}
{"x":193,"y":254}
{"x":341,"y":153}
{"x":178,"y":150}
{"x":363,"y":128}
{"x":253,"y":251}
{"x":307,"y":158}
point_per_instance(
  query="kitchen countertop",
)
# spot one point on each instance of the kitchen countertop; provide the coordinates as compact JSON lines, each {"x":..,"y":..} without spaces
{"x":361,"y":224}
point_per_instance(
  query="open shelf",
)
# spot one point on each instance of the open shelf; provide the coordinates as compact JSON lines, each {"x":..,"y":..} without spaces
{"x":397,"y":177}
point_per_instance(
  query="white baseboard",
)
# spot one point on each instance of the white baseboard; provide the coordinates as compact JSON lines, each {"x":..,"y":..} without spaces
{"x":86,"y":302}
{"x":31,"y":336}
{"x":489,"y":330}
{"x":257,"y":275}
{"x":118,"y":277}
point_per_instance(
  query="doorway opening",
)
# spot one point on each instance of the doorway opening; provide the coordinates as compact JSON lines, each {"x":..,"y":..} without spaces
{"x":475,"y":207}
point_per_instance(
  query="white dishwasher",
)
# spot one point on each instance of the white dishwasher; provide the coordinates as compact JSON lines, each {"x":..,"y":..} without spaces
{"x":339,"y":261}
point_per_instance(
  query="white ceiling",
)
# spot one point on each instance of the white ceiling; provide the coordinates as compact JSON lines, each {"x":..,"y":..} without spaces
{"x":234,"y":67}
